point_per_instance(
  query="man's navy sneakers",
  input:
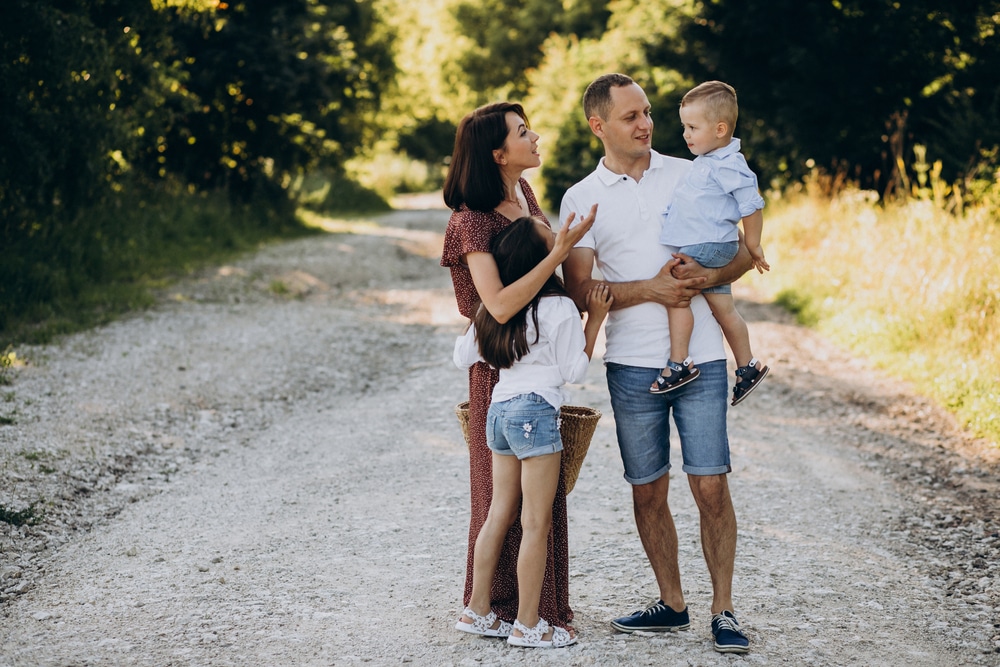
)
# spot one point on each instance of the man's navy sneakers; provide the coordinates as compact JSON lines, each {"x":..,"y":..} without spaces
{"x":657,"y":617}
{"x":727,"y":634}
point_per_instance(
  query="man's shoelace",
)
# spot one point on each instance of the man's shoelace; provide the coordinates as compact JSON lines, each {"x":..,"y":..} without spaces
{"x":654,"y":608}
{"x":726,"y":623}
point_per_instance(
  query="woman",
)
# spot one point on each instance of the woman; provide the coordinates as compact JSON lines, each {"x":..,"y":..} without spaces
{"x":486,"y":192}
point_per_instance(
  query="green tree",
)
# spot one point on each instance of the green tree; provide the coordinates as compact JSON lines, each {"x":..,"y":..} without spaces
{"x":69,"y":72}
{"x":272,"y":88}
{"x":72,"y":79}
{"x":571,"y":62}
{"x":847,"y":85}
{"x":503,"y":38}
{"x":115,"y":104}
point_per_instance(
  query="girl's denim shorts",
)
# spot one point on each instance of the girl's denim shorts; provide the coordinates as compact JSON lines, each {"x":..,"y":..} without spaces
{"x":523,"y":426}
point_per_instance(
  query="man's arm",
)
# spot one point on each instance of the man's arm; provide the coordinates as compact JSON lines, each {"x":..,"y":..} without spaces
{"x":664,"y":288}
{"x":687,"y":268}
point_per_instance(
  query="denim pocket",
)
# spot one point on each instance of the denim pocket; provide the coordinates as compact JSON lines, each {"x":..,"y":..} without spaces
{"x":521,"y":432}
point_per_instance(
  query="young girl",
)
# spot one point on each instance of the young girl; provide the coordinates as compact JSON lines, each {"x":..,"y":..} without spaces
{"x":537,"y":351}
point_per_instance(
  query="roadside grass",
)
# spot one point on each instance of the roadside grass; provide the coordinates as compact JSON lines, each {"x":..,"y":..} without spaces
{"x":908,"y":285}
{"x":112,"y":258}
{"x":29,"y":516}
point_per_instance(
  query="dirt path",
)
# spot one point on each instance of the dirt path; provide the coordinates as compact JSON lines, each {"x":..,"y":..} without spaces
{"x":266,"y":470}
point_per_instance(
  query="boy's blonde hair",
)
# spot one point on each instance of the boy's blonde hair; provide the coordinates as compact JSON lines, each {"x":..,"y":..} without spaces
{"x":720,"y":102}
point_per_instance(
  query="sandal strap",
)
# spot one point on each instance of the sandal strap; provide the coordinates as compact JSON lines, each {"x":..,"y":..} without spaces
{"x":535,"y":634}
{"x":561,"y":637}
{"x":749,"y":372}
{"x":481,"y":623}
{"x":674,"y":376}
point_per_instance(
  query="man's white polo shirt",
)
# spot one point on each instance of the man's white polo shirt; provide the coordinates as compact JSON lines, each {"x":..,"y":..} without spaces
{"x":626,"y":242}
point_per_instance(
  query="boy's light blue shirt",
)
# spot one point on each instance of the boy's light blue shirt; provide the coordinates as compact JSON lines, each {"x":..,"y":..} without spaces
{"x":718,"y":191}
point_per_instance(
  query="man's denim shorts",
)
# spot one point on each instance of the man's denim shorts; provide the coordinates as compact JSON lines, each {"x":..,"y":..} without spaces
{"x":642,"y":421}
{"x":524,"y":426}
{"x":713,"y":256}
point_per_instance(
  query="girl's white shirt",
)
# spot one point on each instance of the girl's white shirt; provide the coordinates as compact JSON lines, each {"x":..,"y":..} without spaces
{"x":557,"y":358}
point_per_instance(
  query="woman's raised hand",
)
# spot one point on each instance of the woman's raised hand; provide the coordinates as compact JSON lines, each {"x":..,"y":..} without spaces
{"x":569,"y":235}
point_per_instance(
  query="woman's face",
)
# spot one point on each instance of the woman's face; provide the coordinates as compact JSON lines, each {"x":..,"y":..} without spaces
{"x":520,"y":149}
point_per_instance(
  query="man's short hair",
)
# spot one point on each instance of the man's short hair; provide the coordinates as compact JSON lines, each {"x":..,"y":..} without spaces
{"x":597,"y":98}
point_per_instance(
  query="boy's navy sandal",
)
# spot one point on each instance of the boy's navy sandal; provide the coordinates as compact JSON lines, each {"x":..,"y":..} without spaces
{"x":680,"y":375}
{"x":728,"y":636}
{"x":747,"y":379}
{"x":657,"y":617}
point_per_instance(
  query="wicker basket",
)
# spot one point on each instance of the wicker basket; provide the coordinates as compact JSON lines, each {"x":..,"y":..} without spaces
{"x":576,"y":426}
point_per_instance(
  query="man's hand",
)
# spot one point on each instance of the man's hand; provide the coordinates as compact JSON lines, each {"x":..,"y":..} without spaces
{"x":683,"y":267}
{"x":674,"y":291}
{"x":686,"y":268}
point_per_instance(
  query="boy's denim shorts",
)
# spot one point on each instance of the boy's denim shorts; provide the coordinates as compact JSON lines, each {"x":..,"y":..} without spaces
{"x":642,"y":421}
{"x":523,"y":426}
{"x":713,"y":256}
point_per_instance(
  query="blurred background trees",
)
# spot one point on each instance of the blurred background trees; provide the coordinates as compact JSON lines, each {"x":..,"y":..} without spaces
{"x":135,"y":132}
{"x":142,"y":138}
{"x":132,"y":127}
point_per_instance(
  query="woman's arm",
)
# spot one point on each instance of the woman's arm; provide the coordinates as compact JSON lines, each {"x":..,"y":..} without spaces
{"x":503,"y":302}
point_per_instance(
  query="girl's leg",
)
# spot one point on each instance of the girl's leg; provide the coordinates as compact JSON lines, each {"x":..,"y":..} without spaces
{"x":503,"y":512}
{"x":539,"y":478}
{"x":732,"y":324}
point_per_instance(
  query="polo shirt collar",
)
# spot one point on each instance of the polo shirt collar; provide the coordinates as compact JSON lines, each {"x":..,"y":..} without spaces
{"x":609,"y":177}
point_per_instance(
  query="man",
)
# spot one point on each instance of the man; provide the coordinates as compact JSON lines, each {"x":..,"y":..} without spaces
{"x":632,"y":186}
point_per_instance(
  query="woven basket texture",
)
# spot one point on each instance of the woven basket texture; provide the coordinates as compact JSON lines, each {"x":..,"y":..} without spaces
{"x":576,"y":426}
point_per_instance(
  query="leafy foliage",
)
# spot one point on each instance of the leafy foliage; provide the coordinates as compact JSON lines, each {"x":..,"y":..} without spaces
{"x":113,"y":106}
{"x":26,"y":517}
{"x":847,"y":85}
{"x":572,"y":62}
{"x":504,"y":38}
{"x":271,"y":89}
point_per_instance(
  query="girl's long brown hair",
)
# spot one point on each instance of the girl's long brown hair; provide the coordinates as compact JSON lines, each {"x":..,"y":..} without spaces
{"x":517,"y":250}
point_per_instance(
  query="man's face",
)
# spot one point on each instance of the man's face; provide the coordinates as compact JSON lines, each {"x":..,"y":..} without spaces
{"x":627,"y":132}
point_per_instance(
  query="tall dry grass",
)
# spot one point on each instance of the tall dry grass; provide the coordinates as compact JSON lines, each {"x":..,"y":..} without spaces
{"x":909,"y":285}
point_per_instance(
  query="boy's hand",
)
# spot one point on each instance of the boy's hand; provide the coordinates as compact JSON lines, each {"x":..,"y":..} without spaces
{"x":759,"y":262}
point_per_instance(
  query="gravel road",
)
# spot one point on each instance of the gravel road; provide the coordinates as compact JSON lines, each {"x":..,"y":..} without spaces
{"x":265,"y":469}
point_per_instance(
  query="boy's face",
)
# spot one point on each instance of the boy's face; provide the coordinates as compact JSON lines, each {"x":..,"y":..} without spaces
{"x":701,"y":135}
